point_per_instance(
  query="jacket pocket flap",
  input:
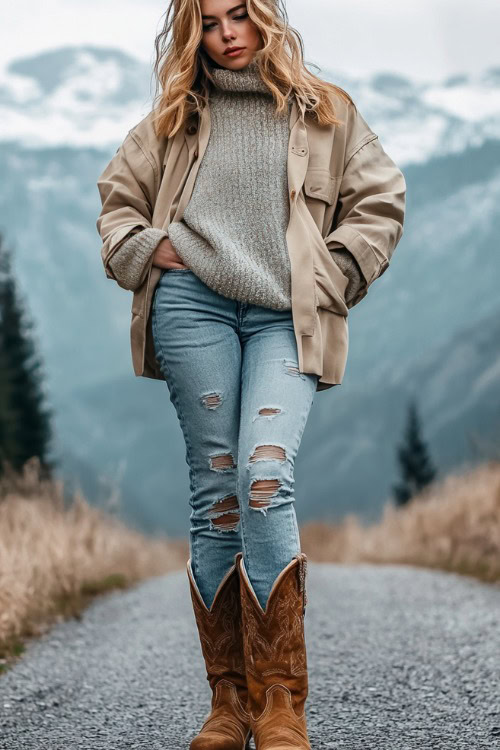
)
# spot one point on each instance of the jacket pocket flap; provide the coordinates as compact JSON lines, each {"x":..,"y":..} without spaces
{"x":320,"y":184}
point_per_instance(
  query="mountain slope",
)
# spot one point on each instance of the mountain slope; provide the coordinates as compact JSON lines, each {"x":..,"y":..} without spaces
{"x":457,"y":388}
{"x":78,"y":96}
{"x":127,"y":429}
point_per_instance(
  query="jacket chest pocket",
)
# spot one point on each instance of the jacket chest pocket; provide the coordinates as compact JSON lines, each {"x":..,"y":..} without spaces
{"x":320,"y":193}
{"x":320,"y":185}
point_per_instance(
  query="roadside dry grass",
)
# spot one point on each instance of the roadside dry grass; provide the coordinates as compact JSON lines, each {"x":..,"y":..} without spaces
{"x":55,"y":557}
{"x":454,"y":525}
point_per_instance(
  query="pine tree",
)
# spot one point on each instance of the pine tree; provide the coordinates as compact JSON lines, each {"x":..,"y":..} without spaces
{"x":6,"y":416}
{"x":25,"y":429}
{"x":416,"y":466}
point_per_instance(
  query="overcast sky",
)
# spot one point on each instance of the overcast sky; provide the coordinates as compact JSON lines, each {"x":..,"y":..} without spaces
{"x":426,"y":39}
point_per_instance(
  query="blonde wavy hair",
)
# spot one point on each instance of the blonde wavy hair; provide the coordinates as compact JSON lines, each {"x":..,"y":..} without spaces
{"x":182,"y":67}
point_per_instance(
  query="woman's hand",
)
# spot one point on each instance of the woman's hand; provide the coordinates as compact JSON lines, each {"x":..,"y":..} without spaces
{"x":165,"y":256}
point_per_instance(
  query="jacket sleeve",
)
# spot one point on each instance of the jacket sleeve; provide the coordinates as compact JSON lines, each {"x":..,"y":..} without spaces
{"x":369,"y":215}
{"x":127,"y":187}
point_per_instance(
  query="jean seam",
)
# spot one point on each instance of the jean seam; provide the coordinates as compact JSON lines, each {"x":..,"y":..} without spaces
{"x":170,"y":377}
{"x":240,"y":502}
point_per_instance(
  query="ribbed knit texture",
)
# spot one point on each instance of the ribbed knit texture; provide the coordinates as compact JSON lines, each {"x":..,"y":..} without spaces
{"x":129,"y":262}
{"x":232,"y":234}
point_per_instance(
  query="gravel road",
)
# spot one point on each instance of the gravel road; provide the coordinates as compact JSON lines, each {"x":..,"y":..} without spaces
{"x":399,"y":658}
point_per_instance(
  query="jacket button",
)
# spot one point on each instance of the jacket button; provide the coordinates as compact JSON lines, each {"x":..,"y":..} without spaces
{"x":293,"y":194}
{"x":192,"y":129}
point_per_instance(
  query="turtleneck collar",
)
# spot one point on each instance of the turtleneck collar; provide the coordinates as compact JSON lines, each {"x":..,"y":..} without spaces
{"x":245,"y":79}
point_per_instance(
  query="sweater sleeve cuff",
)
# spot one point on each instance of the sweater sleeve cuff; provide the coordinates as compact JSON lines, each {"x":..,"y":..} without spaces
{"x":130,"y":260}
{"x":350,"y":268}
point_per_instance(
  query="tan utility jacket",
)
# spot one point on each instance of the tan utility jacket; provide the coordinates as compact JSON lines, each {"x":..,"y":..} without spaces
{"x":344,"y":191}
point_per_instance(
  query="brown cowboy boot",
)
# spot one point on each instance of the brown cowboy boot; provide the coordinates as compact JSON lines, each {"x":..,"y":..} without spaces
{"x":227,"y":725}
{"x":275,"y":659}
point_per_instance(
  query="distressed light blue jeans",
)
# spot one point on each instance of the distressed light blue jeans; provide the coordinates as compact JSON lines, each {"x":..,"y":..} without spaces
{"x":232,"y":373}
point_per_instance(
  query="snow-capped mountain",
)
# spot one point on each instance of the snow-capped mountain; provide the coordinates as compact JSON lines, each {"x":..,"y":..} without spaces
{"x":419,"y":121}
{"x":91,"y":96}
{"x":73,"y":96}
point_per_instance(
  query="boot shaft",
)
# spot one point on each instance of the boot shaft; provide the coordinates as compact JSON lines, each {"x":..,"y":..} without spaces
{"x":274,"y":639}
{"x":220,"y":631}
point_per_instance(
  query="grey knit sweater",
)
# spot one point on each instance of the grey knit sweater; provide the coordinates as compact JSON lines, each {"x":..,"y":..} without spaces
{"x":232,"y":233}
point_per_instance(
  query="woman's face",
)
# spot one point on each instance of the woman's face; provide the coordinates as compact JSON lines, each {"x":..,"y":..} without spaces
{"x":226,"y":24}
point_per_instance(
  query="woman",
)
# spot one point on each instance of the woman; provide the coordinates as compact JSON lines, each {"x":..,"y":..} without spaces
{"x":246,"y":231}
